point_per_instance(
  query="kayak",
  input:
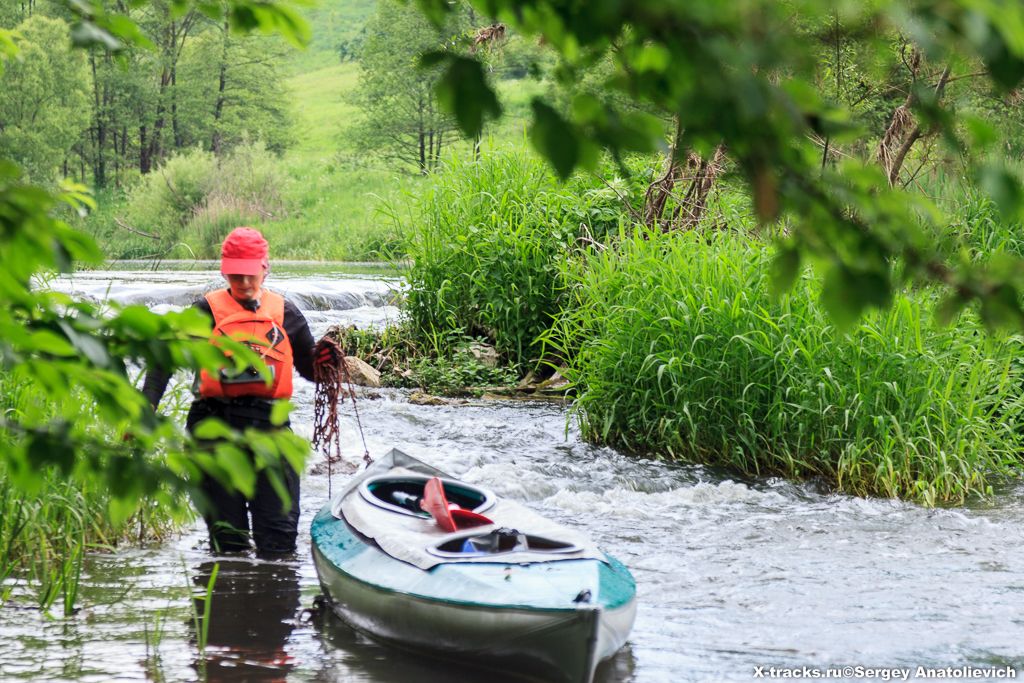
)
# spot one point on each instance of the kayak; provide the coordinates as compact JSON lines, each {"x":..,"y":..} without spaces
{"x":511,"y":590}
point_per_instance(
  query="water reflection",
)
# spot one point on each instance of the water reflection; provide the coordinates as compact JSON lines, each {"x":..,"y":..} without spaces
{"x":253,"y":610}
{"x":618,"y":669}
{"x":350,"y":656}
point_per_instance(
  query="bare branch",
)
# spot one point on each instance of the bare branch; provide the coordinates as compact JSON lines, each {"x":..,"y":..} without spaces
{"x":121,"y":224}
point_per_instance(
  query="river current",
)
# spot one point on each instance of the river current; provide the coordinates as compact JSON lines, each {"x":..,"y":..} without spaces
{"x":732,"y":575}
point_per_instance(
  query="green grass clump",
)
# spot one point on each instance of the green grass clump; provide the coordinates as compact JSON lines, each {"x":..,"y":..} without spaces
{"x":47,"y":528}
{"x":486,"y":247}
{"x":676,"y":347}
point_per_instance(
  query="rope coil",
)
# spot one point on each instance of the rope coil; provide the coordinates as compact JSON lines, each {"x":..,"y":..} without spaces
{"x":333,"y":384}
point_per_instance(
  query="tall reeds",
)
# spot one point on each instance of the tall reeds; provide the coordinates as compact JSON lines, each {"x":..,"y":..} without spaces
{"x":487,"y":246}
{"x":677,"y":348}
{"x":45,"y":533}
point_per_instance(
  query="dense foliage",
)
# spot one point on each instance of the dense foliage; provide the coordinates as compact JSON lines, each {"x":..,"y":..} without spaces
{"x":43,"y":98}
{"x":185,"y":208}
{"x":71,"y":412}
{"x":748,"y":76}
{"x":104,"y":115}
{"x":399,"y":118}
{"x":486,"y":249}
{"x":678,"y":348}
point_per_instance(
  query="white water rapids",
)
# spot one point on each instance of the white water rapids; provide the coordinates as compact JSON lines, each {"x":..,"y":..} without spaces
{"x":732,"y":575}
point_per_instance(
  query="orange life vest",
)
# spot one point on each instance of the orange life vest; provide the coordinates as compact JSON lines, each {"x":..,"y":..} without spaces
{"x":263,"y":330}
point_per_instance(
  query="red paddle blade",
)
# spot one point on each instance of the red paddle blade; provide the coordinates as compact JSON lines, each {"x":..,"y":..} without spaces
{"x":467,"y":519}
{"x":435,"y":502}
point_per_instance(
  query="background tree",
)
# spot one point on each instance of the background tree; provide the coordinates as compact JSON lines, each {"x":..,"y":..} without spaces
{"x":400,"y":117}
{"x":231,"y":89}
{"x":43,"y":98}
{"x":200,"y":85}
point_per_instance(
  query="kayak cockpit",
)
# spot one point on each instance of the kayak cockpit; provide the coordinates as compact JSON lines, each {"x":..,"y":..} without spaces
{"x":403,"y":493}
{"x":497,"y":542}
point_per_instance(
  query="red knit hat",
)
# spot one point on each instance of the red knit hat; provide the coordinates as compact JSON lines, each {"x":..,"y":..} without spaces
{"x":244,"y":252}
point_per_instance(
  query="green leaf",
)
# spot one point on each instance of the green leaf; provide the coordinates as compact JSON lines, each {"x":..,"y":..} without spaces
{"x":637,"y":132}
{"x":276,"y":483}
{"x":86,"y":34}
{"x":121,"y":509}
{"x":1001,"y":308}
{"x":433,"y":58}
{"x":238,"y":467}
{"x":243,"y":19}
{"x":212,"y":429}
{"x":139,"y":320}
{"x":285,"y":21}
{"x":47,"y":341}
{"x":51,"y":448}
{"x":88,"y":345}
{"x":127,"y":31}
{"x":949,"y":308}
{"x":588,"y":108}
{"x":435,"y":10}
{"x":179,"y":8}
{"x":652,"y":57}
{"x":983,"y":134}
{"x":1006,"y":69}
{"x":280,"y":413}
{"x":846,"y":293}
{"x":554,"y":138}
{"x":463,"y":91}
{"x":213,"y":10}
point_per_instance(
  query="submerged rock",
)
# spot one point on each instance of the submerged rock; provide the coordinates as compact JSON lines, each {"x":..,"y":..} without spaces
{"x":554,"y":384}
{"x":424,"y":399}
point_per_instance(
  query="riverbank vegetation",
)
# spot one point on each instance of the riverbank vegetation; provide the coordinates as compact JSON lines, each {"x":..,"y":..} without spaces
{"x":679,"y":348}
{"x":676,"y":344}
{"x":51,"y":518}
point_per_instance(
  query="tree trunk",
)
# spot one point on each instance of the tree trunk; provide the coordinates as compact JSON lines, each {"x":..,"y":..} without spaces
{"x":99,"y":170}
{"x":145,"y":162}
{"x":178,"y":142}
{"x":117,"y":159}
{"x":703,"y":174}
{"x":173,"y":43}
{"x":903,"y":130}
{"x":916,"y":134}
{"x":660,"y":190}
{"x":218,"y":107}
{"x":423,"y":151}
{"x":696,"y":176}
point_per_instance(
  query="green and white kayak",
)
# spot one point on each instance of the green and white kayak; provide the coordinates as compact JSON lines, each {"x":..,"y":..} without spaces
{"x":536,"y":598}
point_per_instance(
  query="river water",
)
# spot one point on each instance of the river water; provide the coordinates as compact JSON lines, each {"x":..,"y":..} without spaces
{"x":732,"y":575}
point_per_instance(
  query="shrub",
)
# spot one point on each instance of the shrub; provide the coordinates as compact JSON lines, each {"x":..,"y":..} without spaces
{"x":196,"y":198}
{"x":487,"y":248}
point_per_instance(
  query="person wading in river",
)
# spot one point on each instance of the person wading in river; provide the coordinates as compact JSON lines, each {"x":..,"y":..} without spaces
{"x":245,"y":309}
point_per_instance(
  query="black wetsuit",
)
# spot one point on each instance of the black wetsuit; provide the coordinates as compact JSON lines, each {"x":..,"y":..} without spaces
{"x":227,"y":513}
